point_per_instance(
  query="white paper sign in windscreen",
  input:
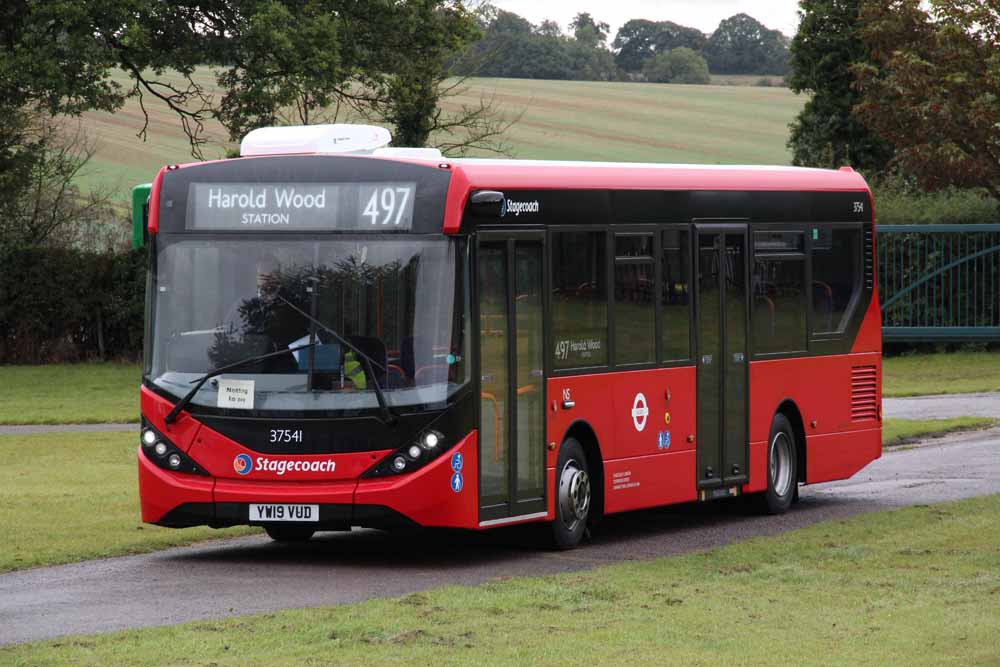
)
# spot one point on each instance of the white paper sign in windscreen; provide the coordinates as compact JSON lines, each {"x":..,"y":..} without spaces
{"x":236,"y":394}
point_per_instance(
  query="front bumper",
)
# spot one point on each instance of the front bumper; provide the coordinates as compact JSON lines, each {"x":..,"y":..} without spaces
{"x":424,"y":497}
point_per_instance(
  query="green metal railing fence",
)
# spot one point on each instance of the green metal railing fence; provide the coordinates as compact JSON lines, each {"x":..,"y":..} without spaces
{"x":939,"y":282}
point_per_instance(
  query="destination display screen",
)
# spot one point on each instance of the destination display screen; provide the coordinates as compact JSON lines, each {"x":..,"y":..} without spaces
{"x":264,"y":207}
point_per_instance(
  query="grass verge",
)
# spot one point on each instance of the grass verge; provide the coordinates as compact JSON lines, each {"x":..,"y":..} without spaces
{"x":69,"y":394}
{"x":903,"y":431}
{"x":919,"y":586}
{"x":71,"y":497}
{"x":944,"y":373}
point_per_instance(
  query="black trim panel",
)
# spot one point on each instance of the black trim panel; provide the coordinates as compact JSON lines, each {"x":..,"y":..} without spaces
{"x":331,"y":517}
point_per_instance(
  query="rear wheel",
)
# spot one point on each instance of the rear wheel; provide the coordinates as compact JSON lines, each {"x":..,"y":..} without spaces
{"x":573,"y":495}
{"x":782,"y":472}
{"x":289,"y":533}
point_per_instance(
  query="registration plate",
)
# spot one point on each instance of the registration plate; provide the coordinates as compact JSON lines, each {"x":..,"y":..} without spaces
{"x":283,"y":512}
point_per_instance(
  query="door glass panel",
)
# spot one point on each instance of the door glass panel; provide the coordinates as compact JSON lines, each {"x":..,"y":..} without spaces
{"x":676,"y":296}
{"x":530,"y":407}
{"x":709,"y":353}
{"x":736,"y":363}
{"x":494,"y":461}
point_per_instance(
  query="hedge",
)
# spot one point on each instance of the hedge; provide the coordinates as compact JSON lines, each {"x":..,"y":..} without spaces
{"x":64,"y":304}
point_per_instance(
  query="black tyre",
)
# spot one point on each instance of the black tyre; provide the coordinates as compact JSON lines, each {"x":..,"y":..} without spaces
{"x":289,"y":533}
{"x":782,"y":467}
{"x":573,"y":496}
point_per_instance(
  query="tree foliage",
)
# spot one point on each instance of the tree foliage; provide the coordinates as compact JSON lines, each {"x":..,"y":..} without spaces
{"x":588,"y":32}
{"x":680,"y":65}
{"x":639,"y":40}
{"x":512,"y":47}
{"x":934,"y":90}
{"x":826,"y":132}
{"x":743,"y":45}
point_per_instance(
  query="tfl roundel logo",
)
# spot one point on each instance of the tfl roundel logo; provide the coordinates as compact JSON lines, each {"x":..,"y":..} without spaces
{"x":242,"y":464}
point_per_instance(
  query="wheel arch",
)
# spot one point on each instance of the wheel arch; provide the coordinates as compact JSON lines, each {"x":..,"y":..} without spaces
{"x":791,"y":411}
{"x":581,"y":431}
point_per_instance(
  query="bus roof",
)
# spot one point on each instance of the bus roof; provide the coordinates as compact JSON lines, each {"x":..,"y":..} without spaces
{"x":553,"y":174}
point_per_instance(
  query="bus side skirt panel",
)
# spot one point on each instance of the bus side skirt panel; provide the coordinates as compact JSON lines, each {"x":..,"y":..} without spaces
{"x":841,"y":437}
{"x":840,"y":455}
{"x":649,"y":456}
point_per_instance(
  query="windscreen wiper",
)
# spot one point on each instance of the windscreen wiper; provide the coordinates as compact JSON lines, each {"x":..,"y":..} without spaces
{"x":387,"y":414}
{"x":200,"y":382}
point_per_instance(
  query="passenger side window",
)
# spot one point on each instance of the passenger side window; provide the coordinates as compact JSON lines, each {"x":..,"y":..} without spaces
{"x":635,"y":309}
{"x":779,"y":295}
{"x":579,"y":299}
{"x":836,"y":276}
{"x":675,"y":295}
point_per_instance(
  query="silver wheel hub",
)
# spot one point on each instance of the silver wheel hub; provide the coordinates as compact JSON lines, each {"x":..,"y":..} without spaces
{"x":574,"y":494}
{"x":780,"y":464}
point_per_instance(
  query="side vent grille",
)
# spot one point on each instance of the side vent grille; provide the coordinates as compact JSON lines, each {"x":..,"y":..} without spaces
{"x":869,"y":262}
{"x":864,"y":393}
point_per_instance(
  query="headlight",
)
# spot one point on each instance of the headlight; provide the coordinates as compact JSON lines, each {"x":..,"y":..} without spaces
{"x":167,"y":455}
{"x":426,"y":447}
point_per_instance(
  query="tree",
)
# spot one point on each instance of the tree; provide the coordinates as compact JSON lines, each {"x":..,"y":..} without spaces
{"x":827,"y":133}
{"x":680,"y":65}
{"x":743,"y":45}
{"x":589,"y":32}
{"x":409,"y":99}
{"x":639,"y":40}
{"x":934,"y":90}
{"x":42,"y":204}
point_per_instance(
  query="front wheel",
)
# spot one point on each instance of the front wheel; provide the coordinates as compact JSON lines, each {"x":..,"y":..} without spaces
{"x":573,"y":496}
{"x":289,"y":533}
{"x":782,"y":467}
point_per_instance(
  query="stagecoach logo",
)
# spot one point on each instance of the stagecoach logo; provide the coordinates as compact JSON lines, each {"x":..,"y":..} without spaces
{"x":518,"y":207}
{"x":242,"y":464}
{"x":640,"y":411}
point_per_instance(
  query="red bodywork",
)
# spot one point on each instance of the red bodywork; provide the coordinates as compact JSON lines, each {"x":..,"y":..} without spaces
{"x":636,"y":472}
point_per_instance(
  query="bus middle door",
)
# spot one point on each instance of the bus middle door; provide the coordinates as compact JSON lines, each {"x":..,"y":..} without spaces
{"x":722,"y":369}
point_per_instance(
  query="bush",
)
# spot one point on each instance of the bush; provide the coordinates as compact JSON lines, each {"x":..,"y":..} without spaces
{"x":680,"y":65}
{"x":66,"y":304}
{"x":897,"y":204}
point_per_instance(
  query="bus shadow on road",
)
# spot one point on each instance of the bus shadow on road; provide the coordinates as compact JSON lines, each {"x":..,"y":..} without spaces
{"x":632,"y":535}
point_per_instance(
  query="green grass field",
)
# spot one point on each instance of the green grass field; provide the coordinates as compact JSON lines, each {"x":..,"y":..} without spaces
{"x":69,"y":394}
{"x":917,"y":587}
{"x":73,"y":496}
{"x":725,"y":124}
{"x":902,"y":431}
{"x":946,"y":373}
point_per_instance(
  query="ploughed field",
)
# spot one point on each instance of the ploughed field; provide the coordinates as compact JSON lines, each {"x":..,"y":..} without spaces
{"x":569,"y":120}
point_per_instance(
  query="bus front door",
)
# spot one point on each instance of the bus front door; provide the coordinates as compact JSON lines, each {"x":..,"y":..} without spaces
{"x":722,"y":369}
{"x":512,"y":388}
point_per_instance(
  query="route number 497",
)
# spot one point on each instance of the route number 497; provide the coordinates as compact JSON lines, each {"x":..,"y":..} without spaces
{"x":387,"y":205}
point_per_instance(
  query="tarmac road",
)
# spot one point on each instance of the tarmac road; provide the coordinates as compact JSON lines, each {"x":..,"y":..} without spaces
{"x":253,"y":575}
